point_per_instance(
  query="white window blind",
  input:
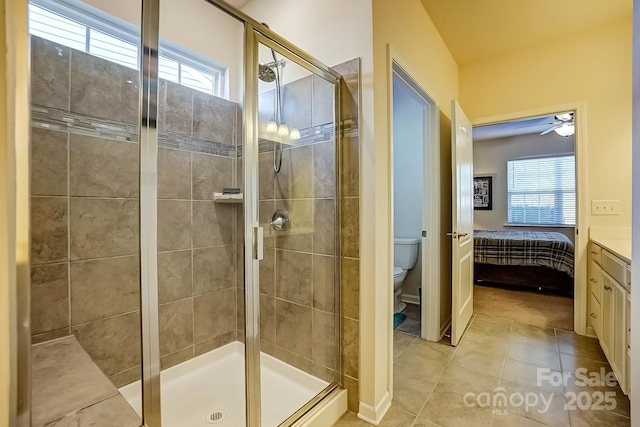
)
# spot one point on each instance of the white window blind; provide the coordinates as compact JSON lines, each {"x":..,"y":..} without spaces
{"x":542,"y":191}
{"x":81,"y":31}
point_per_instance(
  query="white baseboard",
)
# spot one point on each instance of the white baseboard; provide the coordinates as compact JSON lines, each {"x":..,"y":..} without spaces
{"x":410,"y":299}
{"x":373,"y":415}
{"x":444,"y":327}
{"x":327,"y":413}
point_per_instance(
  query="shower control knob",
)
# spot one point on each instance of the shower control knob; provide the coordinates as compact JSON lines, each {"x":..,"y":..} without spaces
{"x":280,"y":220}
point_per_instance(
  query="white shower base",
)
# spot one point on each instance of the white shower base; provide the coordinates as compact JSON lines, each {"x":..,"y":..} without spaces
{"x":214,"y":381}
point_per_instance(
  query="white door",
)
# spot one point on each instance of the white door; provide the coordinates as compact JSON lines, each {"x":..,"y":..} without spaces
{"x":462,"y":222}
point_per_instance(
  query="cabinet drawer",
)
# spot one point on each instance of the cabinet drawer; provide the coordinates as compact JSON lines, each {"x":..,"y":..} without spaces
{"x":595,"y":252}
{"x":595,"y":280}
{"x":613,"y":265}
{"x":595,"y":315}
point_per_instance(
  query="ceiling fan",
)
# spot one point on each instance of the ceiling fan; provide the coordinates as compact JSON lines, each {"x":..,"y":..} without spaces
{"x":563,"y":125}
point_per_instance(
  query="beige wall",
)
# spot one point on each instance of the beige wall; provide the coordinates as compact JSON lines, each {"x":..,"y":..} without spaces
{"x":7,"y":224}
{"x":490,"y":158}
{"x":593,"y":67}
{"x":14,"y":227}
{"x":418,"y":47}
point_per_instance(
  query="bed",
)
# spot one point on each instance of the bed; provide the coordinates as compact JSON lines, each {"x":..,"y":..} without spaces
{"x":544,"y":260}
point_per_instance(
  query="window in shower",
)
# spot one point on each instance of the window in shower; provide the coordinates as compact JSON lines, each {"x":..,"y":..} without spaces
{"x":89,"y":30}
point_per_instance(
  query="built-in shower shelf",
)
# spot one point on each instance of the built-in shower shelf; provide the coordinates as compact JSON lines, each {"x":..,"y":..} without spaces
{"x":228,"y":198}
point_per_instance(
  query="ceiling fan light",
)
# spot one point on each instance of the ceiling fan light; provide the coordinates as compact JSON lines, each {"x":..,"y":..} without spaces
{"x":565,"y":130}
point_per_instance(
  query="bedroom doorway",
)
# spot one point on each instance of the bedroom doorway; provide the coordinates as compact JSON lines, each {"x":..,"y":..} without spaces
{"x":415,"y":248}
{"x":525,"y":217}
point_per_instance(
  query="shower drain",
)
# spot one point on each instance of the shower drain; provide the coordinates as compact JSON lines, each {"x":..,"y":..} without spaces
{"x":216,"y":416}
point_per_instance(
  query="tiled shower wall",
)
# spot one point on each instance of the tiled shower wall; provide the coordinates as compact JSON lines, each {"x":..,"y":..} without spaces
{"x":85,"y":220}
{"x":85,"y":267}
{"x":297,"y":273}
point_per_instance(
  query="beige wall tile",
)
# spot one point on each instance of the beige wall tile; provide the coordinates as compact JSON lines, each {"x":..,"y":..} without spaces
{"x":323,"y":283}
{"x":174,"y":275}
{"x":213,"y":343}
{"x":101,"y":167}
{"x":294,"y":360}
{"x":210,"y":174}
{"x":299,"y":236}
{"x":49,"y":298}
{"x":324,"y":339}
{"x":113,"y":343}
{"x":104,"y":89}
{"x":176,"y":358}
{"x":268,"y":318}
{"x":49,"y":230}
{"x":49,"y":74}
{"x":213,"y":269}
{"x":324,"y":231}
{"x":174,"y":225}
{"x":350,"y":346}
{"x":104,"y":288}
{"x":49,"y":152}
{"x":350,"y":173}
{"x":322,"y":102}
{"x":176,"y":326}
{"x":214,"y":315}
{"x":294,"y":273}
{"x":267,"y":272}
{"x":103,"y":228}
{"x":51,"y":335}
{"x":353,"y":392}
{"x":350,"y":237}
{"x":350,"y":288}
{"x":324,"y":169}
{"x":212,"y":224}
{"x":296,"y":103}
{"x":295,"y":179}
{"x":213,"y":118}
{"x":175,"y":108}
{"x":115,"y":409}
{"x":174,"y":174}
{"x":293,"y":328}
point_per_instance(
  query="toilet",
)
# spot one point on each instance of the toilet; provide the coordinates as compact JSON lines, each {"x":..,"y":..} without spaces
{"x":405,"y":253}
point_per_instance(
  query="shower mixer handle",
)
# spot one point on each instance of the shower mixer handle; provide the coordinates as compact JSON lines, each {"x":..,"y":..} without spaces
{"x":280,"y":220}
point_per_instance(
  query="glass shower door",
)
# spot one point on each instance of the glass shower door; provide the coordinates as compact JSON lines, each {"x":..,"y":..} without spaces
{"x":294,"y":286}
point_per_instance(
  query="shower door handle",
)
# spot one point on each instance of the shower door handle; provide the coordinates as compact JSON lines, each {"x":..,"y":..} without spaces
{"x":258,"y":243}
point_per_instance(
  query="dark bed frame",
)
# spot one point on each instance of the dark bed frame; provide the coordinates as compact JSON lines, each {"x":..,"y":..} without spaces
{"x":529,"y":276}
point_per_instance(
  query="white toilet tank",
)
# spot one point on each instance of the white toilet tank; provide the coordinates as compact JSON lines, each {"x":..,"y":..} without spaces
{"x":405,"y":252}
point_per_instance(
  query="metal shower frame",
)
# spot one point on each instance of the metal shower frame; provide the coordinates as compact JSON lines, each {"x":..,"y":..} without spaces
{"x":254,"y":33}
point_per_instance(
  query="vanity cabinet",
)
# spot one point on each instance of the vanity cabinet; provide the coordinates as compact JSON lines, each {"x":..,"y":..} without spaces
{"x":608,"y":306}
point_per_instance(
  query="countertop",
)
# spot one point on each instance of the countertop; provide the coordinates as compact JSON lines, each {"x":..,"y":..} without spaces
{"x":616,"y":240}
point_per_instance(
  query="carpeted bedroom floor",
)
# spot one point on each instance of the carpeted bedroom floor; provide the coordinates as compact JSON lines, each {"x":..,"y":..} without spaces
{"x":525,"y":307}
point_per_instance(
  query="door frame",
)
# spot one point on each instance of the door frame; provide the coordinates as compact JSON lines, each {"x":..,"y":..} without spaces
{"x":582,"y":204}
{"x":430,"y":314}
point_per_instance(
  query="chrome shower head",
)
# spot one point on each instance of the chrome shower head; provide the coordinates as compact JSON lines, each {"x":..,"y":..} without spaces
{"x":266,"y":73}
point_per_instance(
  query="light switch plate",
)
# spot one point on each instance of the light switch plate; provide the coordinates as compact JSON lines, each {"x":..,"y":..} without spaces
{"x":605,"y":207}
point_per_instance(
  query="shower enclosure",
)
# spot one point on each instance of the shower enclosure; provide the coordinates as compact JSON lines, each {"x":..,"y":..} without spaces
{"x":185,"y":218}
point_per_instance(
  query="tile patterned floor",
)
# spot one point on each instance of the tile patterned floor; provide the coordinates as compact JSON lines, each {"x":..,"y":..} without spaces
{"x":431,"y":379}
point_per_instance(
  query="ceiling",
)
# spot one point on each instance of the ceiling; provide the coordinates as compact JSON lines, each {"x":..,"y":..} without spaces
{"x":477,"y":29}
{"x":534,"y":125}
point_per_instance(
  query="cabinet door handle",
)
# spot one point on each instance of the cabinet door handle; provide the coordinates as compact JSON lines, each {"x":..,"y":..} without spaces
{"x":593,"y":280}
{"x":607,"y":288}
{"x":594,"y":253}
{"x":593,"y":315}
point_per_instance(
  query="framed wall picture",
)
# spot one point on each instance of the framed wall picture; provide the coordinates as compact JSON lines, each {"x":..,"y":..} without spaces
{"x":482,"y":193}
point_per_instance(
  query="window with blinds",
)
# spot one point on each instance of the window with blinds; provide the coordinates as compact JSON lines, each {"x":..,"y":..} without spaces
{"x":542,"y":191}
{"x":98,"y":36}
